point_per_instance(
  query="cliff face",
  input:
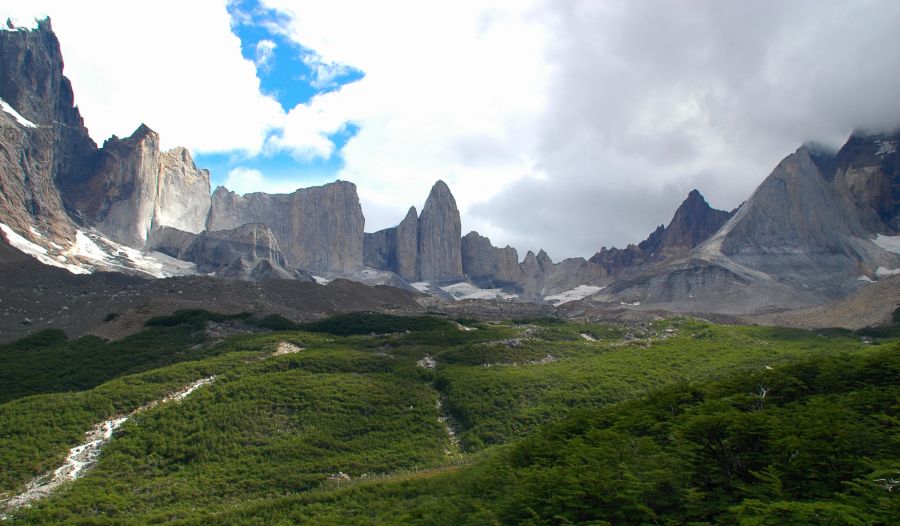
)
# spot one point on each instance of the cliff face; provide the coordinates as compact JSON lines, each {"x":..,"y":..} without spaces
{"x":394,"y":249}
{"x":440,"y":232}
{"x":488,"y":266}
{"x":183,"y":199}
{"x":236,"y":253}
{"x":318,"y":228}
{"x":866,"y":175}
{"x":135,"y":188}
{"x":43,"y":139}
{"x":407,"y":252}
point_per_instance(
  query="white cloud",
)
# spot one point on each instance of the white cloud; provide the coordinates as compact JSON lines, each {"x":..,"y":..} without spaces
{"x":244,"y":180}
{"x":265,"y":52}
{"x":172,"y":64}
{"x":451,"y":91}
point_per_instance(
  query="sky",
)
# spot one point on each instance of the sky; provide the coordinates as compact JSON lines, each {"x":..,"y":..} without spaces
{"x":566,"y":125}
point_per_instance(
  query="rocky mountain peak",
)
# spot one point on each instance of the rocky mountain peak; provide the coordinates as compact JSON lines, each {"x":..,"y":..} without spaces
{"x":439,"y":236}
{"x":32,"y":81}
{"x":45,"y":142}
{"x":694,"y":221}
{"x":544,"y":260}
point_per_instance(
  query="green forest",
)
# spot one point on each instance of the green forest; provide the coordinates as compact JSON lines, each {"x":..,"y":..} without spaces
{"x":369,"y":418}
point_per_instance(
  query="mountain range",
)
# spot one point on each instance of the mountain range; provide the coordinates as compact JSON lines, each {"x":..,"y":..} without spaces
{"x":822,"y":226}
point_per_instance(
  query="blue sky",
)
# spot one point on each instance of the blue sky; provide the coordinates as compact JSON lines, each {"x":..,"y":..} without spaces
{"x":292,"y":75}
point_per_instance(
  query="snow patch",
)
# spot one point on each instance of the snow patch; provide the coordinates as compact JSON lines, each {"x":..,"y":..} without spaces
{"x":578,"y":293}
{"x":421,"y":286}
{"x":20,"y":119}
{"x":886,"y":147}
{"x":883,"y":271}
{"x":635,"y":304}
{"x":38,"y":252}
{"x":867,"y":279}
{"x":889,"y":243}
{"x":467,"y":291}
{"x":20,"y":24}
{"x":107,"y":253}
{"x":588,"y":337}
{"x":321,"y":281}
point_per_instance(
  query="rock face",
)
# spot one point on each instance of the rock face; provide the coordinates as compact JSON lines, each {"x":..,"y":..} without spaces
{"x":866,"y":174}
{"x":136,"y":188}
{"x":394,"y":249}
{"x":439,"y":239}
{"x":213,"y":250}
{"x":319,"y":228}
{"x":183,"y":199}
{"x":488,"y":266}
{"x":803,"y":238}
{"x":407,"y":252}
{"x":228,"y":253}
{"x":47,"y":142}
{"x":694,"y":222}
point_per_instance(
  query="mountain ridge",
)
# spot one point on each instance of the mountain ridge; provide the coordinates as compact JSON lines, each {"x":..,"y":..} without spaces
{"x":805,"y":236}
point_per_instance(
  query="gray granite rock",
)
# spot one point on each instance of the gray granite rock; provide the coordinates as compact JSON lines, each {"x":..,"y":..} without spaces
{"x":488,"y":266}
{"x":394,"y":249}
{"x":407,"y":251}
{"x":318,"y":228}
{"x":135,"y":188}
{"x":49,"y":146}
{"x":439,"y":237}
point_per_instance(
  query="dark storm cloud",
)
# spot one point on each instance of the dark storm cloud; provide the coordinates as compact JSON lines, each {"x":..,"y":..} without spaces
{"x":651,"y":99}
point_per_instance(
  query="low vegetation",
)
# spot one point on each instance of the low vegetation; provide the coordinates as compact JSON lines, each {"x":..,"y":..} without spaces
{"x":675,"y":422}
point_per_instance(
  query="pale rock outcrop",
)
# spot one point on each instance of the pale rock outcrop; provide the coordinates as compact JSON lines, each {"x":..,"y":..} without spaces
{"x":439,"y":237}
{"x":183,"y":199}
{"x":136,"y":188}
{"x":318,"y":228}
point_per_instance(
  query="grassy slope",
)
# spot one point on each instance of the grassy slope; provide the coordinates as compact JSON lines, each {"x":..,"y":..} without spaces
{"x":262,"y":440}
